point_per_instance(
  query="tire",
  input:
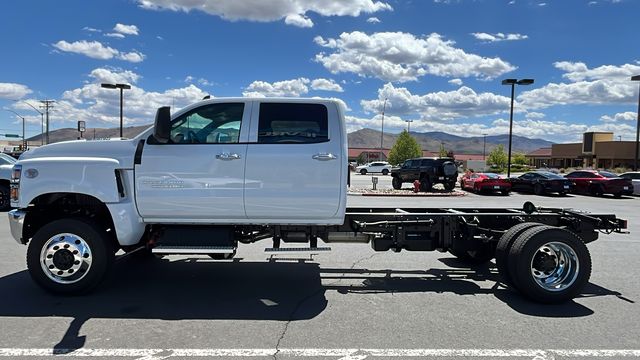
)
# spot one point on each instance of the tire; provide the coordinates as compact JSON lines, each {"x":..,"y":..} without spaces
{"x":425,"y":185}
{"x":396,"y":183}
{"x":363,"y":172}
{"x":385,"y":171}
{"x":617,"y":195}
{"x":65,"y":240}
{"x":5,"y":200}
{"x":503,"y":247}
{"x":538,"y":189}
{"x":505,"y":192}
{"x":534,"y":260}
{"x":449,"y":186}
{"x":596,"y":190}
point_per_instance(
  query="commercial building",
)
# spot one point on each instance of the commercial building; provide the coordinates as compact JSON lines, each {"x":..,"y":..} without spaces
{"x":597,"y":150}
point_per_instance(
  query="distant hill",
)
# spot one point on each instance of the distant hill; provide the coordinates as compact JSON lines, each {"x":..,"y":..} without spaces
{"x":369,"y":138}
{"x":364,"y":138}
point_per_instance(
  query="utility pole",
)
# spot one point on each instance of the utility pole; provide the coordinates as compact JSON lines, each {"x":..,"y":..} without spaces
{"x":384,"y":107}
{"x":47,"y":104}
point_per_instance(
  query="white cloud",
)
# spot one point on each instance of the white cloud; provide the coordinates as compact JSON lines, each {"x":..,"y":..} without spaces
{"x":286,"y":88}
{"x":13,"y":91}
{"x":126,"y":29}
{"x":96,"y":50}
{"x":534,"y":115}
{"x":204,"y":82}
{"x":499,"y":37}
{"x":396,"y":56}
{"x":373,"y":20}
{"x":298,"y":20}
{"x":456,"y":82}
{"x":437,"y":106}
{"x":625,"y":116}
{"x":100,"y":107}
{"x":114,"y":35}
{"x":603,"y":85}
{"x":294,"y":12}
{"x":326,"y":85}
{"x":90,"y":29}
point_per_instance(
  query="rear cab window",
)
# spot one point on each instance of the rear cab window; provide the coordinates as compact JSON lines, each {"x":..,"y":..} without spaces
{"x":293,"y":123}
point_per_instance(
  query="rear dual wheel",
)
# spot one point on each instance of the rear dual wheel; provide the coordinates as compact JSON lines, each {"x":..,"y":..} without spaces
{"x":546,"y":264}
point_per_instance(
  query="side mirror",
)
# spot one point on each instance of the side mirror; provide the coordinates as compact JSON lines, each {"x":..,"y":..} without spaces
{"x":162,"y":126}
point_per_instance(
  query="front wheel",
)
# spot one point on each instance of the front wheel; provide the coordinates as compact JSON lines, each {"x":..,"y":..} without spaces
{"x":396,"y":183}
{"x":69,"y":256}
{"x":363,"y":172}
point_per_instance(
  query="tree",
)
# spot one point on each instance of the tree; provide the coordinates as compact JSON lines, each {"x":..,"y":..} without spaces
{"x":406,"y":147}
{"x":443,"y":151}
{"x":497,"y":157}
{"x":519,"y":159}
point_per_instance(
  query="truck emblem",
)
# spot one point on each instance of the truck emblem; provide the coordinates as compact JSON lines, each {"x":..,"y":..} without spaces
{"x":31,"y":173}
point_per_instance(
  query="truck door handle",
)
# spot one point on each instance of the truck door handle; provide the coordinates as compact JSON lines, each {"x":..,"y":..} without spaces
{"x":227,"y":156}
{"x":324,"y":157}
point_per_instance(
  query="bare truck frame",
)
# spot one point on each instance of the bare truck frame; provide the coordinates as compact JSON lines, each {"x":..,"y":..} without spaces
{"x":541,"y":252}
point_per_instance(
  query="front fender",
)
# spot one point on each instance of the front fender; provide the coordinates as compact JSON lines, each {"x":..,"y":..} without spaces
{"x":93,"y":176}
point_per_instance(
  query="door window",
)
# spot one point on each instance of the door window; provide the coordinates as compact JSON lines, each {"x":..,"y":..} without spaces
{"x":291,"y":123}
{"x":209,"y":124}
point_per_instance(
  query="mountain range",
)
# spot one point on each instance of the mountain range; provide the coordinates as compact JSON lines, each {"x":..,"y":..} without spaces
{"x":364,"y":138}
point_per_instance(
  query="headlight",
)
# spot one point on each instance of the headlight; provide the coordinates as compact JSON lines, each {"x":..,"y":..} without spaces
{"x":16,"y":173}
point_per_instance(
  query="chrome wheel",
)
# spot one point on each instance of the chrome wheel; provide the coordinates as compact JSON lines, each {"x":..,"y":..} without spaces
{"x":66,"y":258}
{"x":555,"y":266}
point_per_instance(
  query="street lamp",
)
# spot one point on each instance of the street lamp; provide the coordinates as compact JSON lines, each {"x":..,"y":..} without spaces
{"x":484,"y":147}
{"x":41,"y":121}
{"x":635,"y":158}
{"x":384,"y":107}
{"x":409,"y":125}
{"x":513,"y":83}
{"x":24,"y":140}
{"x":121,"y":87}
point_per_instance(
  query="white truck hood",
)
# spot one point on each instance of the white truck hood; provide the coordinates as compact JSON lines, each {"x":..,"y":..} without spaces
{"x":121,"y":150}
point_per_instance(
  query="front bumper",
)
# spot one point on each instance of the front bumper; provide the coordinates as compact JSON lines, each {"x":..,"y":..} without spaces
{"x":16,"y":222}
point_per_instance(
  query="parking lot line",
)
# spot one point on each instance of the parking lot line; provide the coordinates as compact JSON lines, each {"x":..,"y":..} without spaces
{"x":340,"y":354}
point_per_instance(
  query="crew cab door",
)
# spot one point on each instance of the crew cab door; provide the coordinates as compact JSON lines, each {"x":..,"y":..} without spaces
{"x":295,"y":163}
{"x":199,"y":174}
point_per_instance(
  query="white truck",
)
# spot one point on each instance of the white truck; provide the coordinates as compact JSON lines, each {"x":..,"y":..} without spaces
{"x":227,"y":171}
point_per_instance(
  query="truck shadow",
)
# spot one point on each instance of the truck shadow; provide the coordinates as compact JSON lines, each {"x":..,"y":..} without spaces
{"x":281,"y":291}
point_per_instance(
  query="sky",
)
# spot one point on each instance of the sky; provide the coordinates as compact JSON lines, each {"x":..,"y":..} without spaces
{"x":433,"y":65}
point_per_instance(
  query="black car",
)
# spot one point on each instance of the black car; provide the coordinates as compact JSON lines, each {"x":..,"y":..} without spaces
{"x":541,"y":183}
{"x":429,"y":171}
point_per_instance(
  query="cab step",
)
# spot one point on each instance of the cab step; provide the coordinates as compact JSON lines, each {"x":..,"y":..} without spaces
{"x":290,"y":250}
{"x":192,"y":250}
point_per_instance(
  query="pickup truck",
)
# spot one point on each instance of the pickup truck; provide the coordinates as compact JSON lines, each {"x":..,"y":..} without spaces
{"x":224,"y":172}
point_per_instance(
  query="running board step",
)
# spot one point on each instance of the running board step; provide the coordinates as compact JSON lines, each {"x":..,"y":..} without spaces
{"x":290,"y":250}
{"x":192,"y":250}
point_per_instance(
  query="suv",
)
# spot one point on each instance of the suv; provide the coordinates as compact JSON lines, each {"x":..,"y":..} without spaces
{"x":429,"y":171}
{"x":374,"y":167}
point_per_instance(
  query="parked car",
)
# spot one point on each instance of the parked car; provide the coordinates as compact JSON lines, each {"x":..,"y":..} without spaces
{"x":375,"y":167}
{"x":429,"y":171}
{"x":485,"y":182}
{"x":541,"y":183}
{"x":6,"y":166}
{"x":635,"y":180}
{"x":597,"y":183}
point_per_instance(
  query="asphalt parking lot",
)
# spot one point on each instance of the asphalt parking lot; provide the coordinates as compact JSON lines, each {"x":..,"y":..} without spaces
{"x":351,"y":303}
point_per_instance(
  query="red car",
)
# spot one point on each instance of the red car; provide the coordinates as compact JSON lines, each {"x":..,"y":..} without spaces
{"x":597,"y":183}
{"x":485,"y":182}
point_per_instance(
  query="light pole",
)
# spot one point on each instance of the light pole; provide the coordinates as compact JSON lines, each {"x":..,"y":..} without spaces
{"x":635,"y":157}
{"x":121,"y":87}
{"x":513,"y":83}
{"x":484,"y":146}
{"x":24,"y":140}
{"x":409,"y":125}
{"x":41,"y":121}
{"x":384,"y":107}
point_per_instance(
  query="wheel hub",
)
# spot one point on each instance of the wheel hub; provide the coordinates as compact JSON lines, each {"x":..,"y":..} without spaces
{"x":555,"y":266}
{"x":66,"y":258}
